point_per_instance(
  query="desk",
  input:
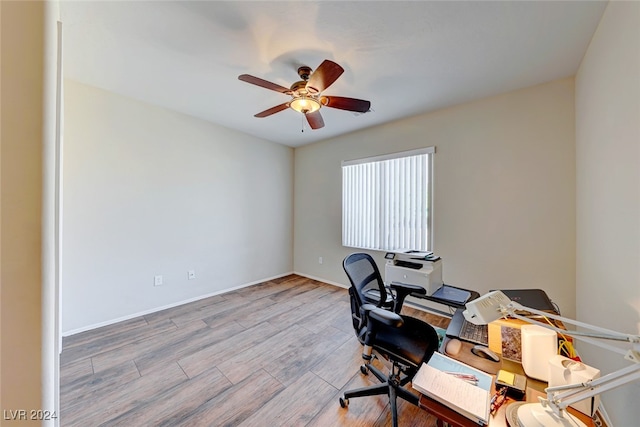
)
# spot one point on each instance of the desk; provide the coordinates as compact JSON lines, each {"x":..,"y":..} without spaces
{"x":535,"y":388}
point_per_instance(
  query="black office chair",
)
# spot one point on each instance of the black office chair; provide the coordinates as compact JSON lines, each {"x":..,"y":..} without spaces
{"x":406,"y":341}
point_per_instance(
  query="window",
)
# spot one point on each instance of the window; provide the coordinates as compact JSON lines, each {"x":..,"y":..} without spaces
{"x":386,"y":201}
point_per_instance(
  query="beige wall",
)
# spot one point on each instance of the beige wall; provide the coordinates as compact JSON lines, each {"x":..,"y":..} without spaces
{"x":504,"y":207}
{"x":22,"y":50}
{"x":151,"y":192}
{"x":608,"y":192}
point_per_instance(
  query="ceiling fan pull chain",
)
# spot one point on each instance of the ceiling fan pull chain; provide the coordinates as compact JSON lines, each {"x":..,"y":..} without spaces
{"x":302,"y":130}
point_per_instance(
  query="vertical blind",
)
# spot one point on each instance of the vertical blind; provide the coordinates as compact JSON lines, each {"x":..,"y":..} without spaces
{"x":386,"y":201}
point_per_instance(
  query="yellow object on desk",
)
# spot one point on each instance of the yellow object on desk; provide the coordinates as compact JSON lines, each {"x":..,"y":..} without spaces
{"x":506,"y":377}
{"x":515,"y":384}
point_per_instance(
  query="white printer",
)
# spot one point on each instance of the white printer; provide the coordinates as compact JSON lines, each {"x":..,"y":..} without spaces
{"x":414,"y":268}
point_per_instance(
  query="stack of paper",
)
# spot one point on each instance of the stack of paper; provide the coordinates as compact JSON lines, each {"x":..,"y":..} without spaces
{"x":463,"y":388}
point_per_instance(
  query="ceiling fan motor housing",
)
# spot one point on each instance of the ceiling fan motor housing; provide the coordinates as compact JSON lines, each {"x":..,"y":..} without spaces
{"x":304,"y":72}
{"x":299,"y":87}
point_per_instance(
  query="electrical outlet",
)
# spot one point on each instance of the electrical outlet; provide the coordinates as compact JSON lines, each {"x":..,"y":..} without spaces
{"x":157,"y":280}
{"x":192,"y":274}
{"x":320,"y":260}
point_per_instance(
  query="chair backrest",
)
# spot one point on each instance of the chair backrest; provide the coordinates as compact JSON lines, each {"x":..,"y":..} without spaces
{"x":365,"y":278}
{"x":367,"y":287}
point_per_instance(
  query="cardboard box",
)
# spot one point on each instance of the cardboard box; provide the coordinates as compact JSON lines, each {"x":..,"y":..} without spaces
{"x":505,"y":339}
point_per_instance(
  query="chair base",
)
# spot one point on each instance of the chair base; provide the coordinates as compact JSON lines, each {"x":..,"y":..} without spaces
{"x":391,"y":385}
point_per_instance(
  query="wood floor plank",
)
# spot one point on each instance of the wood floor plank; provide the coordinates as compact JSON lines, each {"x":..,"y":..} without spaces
{"x":304,"y":311}
{"x":361,"y":412}
{"x":305,"y":355}
{"x":176,"y":403}
{"x":316,"y":291}
{"x":243,"y":364}
{"x":408,"y":416}
{"x":339,"y":366}
{"x":293,"y":278}
{"x":337,"y":315}
{"x":183,"y":318}
{"x":187,"y":345}
{"x":125,"y":397}
{"x":238,"y":309}
{"x":248,"y":316}
{"x":152,"y":345}
{"x":235,"y":404}
{"x":261,"y":290}
{"x":292,"y":292}
{"x":296,"y":405}
{"x":83,"y":338}
{"x":91,"y":387}
{"x":115,"y":340}
{"x":75,"y":370}
{"x":200,"y":361}
{"x":170,"y":313}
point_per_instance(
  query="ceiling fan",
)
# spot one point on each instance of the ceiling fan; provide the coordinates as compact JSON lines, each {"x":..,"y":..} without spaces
{"x":306,"y":94}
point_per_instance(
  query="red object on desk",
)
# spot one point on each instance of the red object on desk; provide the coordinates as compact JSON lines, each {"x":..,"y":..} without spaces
{"x":498,"y":399}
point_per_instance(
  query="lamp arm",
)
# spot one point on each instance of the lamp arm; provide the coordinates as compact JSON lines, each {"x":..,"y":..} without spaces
{"x":577,"y":392}
{"x":583,"y":336}
{"x":608,"y":334}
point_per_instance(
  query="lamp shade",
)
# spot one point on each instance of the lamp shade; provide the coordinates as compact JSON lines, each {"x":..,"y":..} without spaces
{"x":304,"y":105}
{"x":539,"y":345}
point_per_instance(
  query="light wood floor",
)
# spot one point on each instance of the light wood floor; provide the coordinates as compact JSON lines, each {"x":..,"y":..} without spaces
{"x":275,"y":354}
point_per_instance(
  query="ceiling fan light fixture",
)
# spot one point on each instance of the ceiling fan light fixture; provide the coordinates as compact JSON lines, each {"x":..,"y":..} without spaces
{"x":304,"y":105}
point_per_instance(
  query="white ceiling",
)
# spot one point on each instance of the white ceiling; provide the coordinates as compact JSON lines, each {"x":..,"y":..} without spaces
{"x":405,"y":57}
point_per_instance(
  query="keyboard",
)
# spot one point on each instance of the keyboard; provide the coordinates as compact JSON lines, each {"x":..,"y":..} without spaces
{"x":478,"y":334}
{"x":466,"y":331}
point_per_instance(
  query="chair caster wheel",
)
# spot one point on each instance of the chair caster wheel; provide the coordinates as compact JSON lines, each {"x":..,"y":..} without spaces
{"x":364,"y":370}
{"x":344,"y":402}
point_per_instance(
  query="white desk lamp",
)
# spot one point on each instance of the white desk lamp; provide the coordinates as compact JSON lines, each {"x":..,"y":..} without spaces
{"x":552,"y":410}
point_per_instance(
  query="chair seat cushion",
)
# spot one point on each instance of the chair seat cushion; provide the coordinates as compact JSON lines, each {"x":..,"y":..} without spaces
{"x":414,"y":342}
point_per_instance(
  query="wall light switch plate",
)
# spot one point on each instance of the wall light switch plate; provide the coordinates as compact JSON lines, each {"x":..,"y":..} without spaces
{"x":192,"y":274}
{"x":157,"y":280}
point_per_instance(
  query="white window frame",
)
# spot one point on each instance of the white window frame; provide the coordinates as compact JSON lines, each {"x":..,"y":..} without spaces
{"x":370,"y":220}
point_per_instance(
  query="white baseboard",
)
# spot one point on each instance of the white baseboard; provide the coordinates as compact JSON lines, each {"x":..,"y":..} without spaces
{"x":164,"y":307}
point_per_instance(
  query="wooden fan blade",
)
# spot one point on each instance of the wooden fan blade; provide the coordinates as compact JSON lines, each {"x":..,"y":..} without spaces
{"x":324,"y":76}
{"x":273,"y":110}
{"x":315,"y":120}
{"x":349,"y":104}
{"x":263,"y":83}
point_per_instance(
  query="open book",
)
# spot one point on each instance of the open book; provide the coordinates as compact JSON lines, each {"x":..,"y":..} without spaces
{"x":463,"y":388}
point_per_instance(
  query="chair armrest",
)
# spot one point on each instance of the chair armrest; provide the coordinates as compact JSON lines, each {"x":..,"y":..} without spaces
{"x":402,"y":291}
{"x":366,"y":308}
{"x":386,"y":317}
